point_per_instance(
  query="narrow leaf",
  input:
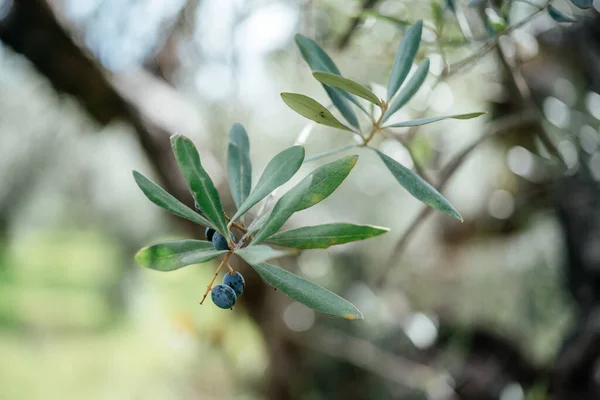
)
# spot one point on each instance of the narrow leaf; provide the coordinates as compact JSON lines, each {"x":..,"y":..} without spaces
{"x":202,"y":187}
{"x":169,"y":256}
{"x":325,"y":180}
{"x":338,"y":99}
{"x":347,"y":85}
{"x":418,"y":187}
{"x":257,"y":224}
{"x":583,"y":4}
{"x":404,"y":58}
{"x":408,"y":91}
{"x":318,"y":60}
{"x":306,"y":292}
{"x":239,"y":166}
{"x":323,"y":236}
{"x":558,"y":15}
{"x":283,"y":210}
{"x":163,"y":199}
{"x":312,"y":109}
{"x":261,"y":253}
{"x":279,"y":170}
{"x":314,"y":55}
{"x":424,"y":121}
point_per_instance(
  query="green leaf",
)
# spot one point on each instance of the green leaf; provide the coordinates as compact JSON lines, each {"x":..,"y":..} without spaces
{"x":169,"y":256}
{"x":279,"y":170}
{"x":306,"y":292}
{"x":404,"y":58}
{"x":424,"y":121}
{"x":323,"y":236}
{"x":418,"y":187}
{"x":318,"y":60}
{"x":559,"y":16}
{"x":239,"y":166}
{"x":400,"y":23}
{"x":583,"y":4}
{"x":202,"y":187}
{"x":408,"y":91}
{"x":325,"y":180}
{"x":346,"y":84}
{"x":314,"y":55}
{"x":283,"y":210}
{"x":257,"y":224}
{"x":163,"y":199}
{"x":329,"y":153}
{"x":261,"y":253}
{"x":312,"y":109}
{"x":337,"y":98}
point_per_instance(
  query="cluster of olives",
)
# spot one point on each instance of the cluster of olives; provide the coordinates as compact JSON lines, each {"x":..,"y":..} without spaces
{"x":224,"y":295}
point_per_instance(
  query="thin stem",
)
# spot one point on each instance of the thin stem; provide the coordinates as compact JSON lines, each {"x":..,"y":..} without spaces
{"x":209,"y":287}
{"x":376,"y":124}
{"x":239,"y":227}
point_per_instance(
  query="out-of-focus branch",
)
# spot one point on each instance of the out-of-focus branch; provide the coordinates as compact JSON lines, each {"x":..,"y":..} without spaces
{"x":490,"y":45}
{"x":494,"y":128}
{"x":345,"y":39}
{"x":31,"y":29}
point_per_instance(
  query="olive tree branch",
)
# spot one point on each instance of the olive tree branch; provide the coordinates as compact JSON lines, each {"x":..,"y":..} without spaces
{"x":494,"y":128}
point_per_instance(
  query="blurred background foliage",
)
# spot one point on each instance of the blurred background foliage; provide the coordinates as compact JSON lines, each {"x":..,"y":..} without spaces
{"x":92,"y":89}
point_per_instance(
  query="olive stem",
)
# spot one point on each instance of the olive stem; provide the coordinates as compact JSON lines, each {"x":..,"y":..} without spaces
{"x":209,"y":287}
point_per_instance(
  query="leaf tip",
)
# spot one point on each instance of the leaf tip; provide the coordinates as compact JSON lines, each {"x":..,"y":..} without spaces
{"x":140,"y":257}
{"x":354,"y":317}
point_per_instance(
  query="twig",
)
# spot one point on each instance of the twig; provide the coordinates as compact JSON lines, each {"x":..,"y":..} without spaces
{"x":209,"y":287}
{"x":345,"y":39}
{"x":491,"y":45}
{"x":494,"y":128}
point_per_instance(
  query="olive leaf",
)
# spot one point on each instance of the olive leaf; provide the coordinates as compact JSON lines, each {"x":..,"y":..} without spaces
{"x":348,"y":85}
{"x":279,"y":170}
{"x":163,"y":199}
{"x":418,"y":187}
{"x":283,"y":210}
{"x":260,"y":253}
{"x":404,"y":58}
{"x":325,"y":180}
{"x":169,"y":256}
{"x":201,"y":186}
{"x":306,"y":292}
{"x":409,"y":90}
{"x":312,"y":109}
{"x":323,"y":236}
{"x":583,"y":4}
{"x":558,"y":15}
{"x":239,"y":166}
{"x":424,"y":121}
{"x":318,"y":60}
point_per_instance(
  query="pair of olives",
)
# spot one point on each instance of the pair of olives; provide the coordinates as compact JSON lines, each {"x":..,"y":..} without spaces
{"x":225,"y":294}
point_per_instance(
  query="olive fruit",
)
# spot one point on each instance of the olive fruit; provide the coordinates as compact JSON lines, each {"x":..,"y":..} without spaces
{"x":219,"y":241}
{"x":209,"y":232}
{"x":223,"y":296}
{"x":235,"y":281}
